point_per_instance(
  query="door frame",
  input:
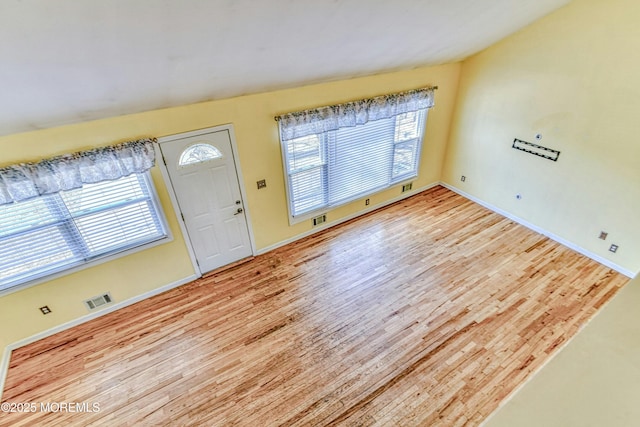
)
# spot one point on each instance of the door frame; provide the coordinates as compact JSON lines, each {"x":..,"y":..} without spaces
{"x":174,"y":200}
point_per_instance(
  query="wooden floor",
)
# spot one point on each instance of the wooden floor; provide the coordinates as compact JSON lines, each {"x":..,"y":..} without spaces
{"x":428,"y":312}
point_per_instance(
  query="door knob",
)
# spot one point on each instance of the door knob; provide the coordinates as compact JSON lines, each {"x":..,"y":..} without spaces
{"x":239,"y":211}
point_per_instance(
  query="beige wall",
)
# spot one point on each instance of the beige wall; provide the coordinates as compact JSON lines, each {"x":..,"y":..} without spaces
{"x":260,"y":158}
{"x":574,"y":77}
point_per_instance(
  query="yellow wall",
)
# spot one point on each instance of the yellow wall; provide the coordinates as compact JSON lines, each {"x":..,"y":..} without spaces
{"x":258,"y":146}
{"x":574,"y":77}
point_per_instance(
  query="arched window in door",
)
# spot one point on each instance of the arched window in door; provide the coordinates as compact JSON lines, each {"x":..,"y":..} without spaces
{"x":198,"y":153}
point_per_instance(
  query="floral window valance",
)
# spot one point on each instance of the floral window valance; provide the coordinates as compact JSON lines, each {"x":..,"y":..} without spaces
{"x":323,"y":119}
{"x":26,"y":180}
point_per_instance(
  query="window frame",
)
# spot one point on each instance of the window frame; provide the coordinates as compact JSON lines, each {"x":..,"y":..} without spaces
{"x":324,"y":138}
{"x":111,"y":255}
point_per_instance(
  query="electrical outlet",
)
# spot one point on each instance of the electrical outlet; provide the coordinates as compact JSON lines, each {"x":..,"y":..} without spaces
{"x":613,"y":248}
{"x":45,"y":309}
{"x":366,"y":202}
{"x":603,"y":235}
{"x":262,"y":184}
{"x":463,"y":178}
{"x":407,"y":187}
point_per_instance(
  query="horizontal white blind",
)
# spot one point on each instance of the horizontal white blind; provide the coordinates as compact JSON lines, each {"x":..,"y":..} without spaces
{"x":361,"y":160}
{"x":334,"y":167}
{"x":47,"y":234}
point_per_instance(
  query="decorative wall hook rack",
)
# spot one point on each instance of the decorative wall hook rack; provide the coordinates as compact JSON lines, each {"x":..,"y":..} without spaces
{"x":535,"y":149}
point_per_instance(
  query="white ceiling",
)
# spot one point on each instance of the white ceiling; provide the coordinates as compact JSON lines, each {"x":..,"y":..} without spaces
{"x":67,"y":61}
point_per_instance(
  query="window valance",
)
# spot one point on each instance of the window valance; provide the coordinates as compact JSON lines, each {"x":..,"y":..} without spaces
{"x":26,"y":180}
{"x":323,"y":119}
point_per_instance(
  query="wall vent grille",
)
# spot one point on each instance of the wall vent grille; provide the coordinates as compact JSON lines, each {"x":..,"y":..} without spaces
{"x":100,"y":300}
{"x":319,"y":220}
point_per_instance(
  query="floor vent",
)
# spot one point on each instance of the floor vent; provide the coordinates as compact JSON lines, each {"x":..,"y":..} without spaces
{"x":100,"y":300}
{"x":319,"y":220}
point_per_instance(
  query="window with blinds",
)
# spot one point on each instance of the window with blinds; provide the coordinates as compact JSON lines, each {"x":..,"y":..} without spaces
{"x":335,"y":167}
{"x":55,"y":232}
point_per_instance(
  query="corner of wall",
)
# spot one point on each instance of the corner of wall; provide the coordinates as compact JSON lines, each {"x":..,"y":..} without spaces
{"x":452,"y":115}
{"x":552,"y":78}
{"x":4,"y":367}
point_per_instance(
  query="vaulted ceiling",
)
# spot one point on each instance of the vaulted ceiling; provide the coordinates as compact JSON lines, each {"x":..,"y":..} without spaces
{"x":67,"y":61}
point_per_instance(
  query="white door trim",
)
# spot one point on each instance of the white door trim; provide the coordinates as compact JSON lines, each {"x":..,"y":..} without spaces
{"x":174,"y":199}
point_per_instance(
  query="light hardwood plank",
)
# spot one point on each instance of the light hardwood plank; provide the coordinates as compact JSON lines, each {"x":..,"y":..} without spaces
{"x":427,"y":312}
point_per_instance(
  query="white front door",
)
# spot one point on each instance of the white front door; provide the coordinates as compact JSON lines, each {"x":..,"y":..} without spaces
{"x":205,"y":181}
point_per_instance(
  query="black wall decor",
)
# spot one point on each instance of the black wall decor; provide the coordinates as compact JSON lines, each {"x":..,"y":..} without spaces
{"x":535,"y":149}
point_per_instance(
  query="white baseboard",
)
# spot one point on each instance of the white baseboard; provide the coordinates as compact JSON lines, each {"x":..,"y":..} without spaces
{"x":4,"y":363}
{"x":544,"y":232}
{"x":6,"y":356}
{"x":330,"y":223}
